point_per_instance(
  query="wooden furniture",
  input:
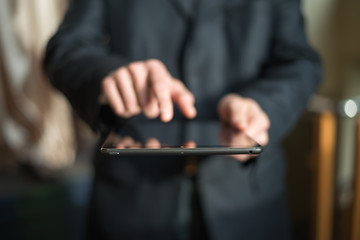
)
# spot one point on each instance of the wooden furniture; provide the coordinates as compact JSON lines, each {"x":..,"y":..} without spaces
{"x":324,"y":159}
{"x":355,"y":223}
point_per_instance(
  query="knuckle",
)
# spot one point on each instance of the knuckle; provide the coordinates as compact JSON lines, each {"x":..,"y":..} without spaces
{"x":120,"y":73}
{"x":234,"y":106}
{"x":135,"y":67}
{"x":250,"y":101}
{"x":107,"y":82}
{"x":153,"y":62}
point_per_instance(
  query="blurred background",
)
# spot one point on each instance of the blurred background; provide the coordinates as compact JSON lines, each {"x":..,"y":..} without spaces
{"x":45,"y":150}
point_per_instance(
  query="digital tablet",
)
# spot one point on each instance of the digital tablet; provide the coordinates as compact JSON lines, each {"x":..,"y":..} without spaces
{"x":132,"y":140}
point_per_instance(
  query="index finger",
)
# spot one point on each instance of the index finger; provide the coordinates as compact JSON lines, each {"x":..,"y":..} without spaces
{"x":184,"y":99}
{"x":159,"y":78}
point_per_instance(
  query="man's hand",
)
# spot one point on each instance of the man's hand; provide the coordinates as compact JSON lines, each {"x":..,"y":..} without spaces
{"x":147,"y":87}
{"x":245,"y":115}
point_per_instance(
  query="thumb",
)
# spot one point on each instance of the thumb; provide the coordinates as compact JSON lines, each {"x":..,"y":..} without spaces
{"x":232,"y":111}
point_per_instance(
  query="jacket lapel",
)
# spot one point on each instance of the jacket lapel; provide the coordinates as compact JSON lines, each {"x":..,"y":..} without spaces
{"x":185,"y":8}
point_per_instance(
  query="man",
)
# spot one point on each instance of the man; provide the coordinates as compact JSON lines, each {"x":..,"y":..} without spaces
{"x":244,"y":63}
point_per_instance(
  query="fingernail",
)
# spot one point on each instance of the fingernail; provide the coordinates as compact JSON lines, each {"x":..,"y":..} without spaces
{"x":165,"y":115}
{"x":192,"y":111}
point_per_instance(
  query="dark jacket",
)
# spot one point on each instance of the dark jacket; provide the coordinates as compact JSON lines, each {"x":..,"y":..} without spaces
{"x":256,"y":48}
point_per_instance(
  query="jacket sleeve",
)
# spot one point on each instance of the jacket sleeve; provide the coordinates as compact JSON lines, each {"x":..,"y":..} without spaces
{"x":77,"y":57}
{"x":291,"y":75}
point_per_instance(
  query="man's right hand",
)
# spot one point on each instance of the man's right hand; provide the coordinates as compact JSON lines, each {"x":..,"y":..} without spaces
{"x":148,"y":87}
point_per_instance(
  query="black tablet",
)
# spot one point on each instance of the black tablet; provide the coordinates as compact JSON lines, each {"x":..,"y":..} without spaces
{"x":139,"y":139}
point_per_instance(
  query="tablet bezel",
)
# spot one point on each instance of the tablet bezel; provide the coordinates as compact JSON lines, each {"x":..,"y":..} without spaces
{"x":178,"y":149}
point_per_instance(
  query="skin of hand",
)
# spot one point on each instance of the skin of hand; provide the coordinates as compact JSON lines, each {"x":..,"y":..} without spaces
{"x":244,"y":115}
{"x":155,"y":143}
{"x":148,"y":87}
{"x":127,"y":142}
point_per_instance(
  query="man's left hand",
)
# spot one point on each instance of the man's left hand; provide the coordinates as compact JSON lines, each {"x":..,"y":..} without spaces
{"x":244,"y":114}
